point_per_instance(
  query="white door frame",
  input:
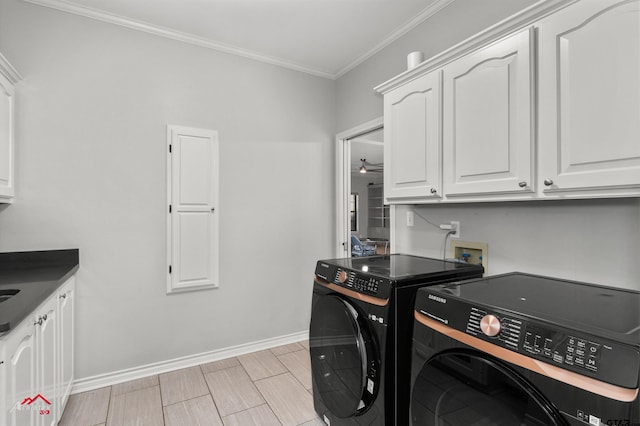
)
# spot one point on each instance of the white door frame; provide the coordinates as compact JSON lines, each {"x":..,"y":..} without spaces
{"x":343,"y":183}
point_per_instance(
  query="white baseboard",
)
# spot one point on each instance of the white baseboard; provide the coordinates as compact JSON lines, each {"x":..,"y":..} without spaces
{"x":108,"y":379}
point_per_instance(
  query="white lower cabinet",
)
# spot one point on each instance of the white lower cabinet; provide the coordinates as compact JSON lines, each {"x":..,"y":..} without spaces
{"x":19,"y":374}
{"x":37,"y":363}
{"x":66,"y":337}
{"x":590,"y":100}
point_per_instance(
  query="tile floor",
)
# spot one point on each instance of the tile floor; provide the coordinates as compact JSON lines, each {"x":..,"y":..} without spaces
{"x":270,"y":387}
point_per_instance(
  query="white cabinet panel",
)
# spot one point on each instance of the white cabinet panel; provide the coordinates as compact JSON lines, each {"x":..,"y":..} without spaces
{"x":47,"y":358}
{"x":488,"y":137}
{"x":193,"y":238}
{"x":412,"y":140}
{"x":20,"y":379}
{"x":192,"y":222}
{"x":6,"y":138}
{"x":590,"y":99}
{"x":66,"y":338}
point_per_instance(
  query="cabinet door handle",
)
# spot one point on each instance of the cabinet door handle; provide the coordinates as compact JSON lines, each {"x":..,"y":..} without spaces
{"x":39,"y":322}
{"x":522,"y":184}
{"x":434,"y":191}
{"x":548,"y":182}
{"x":63,"y":296}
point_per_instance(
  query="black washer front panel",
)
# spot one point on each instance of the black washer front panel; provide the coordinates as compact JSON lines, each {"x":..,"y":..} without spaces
{"x":362,"y":283}
{"x":589,"y":355}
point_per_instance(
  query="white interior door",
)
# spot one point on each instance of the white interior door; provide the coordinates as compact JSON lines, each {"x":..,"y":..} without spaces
{"x":193,"y":209}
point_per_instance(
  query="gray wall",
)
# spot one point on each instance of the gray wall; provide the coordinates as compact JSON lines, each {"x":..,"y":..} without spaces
{"x":596,"y":240}
{"x":92,"y":112}
{"x":91,"y":119}
{"x":587,"y":240}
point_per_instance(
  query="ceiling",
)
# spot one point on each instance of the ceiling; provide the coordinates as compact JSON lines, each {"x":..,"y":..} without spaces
{"x":321,"y":37}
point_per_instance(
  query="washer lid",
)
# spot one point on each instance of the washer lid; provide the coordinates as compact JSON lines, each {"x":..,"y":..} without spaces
{"x":606,"y":311}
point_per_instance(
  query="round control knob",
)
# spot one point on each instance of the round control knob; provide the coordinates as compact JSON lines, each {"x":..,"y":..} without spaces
{"x":490,"y":325}
{"x":343,"y":277}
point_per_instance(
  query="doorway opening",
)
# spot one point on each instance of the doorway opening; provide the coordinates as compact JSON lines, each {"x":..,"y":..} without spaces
{"x":363,"y":221}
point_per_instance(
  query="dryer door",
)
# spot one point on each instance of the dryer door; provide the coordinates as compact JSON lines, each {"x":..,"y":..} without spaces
{"x":468,"y":388}
{"x":343,"y":357}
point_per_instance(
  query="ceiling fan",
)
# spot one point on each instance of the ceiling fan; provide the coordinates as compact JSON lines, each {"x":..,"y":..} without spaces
{"x":367,"y":167}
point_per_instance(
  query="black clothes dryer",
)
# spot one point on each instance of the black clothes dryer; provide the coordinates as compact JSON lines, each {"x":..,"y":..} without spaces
{"x":360,"y":334}
{"x":521,"y":349}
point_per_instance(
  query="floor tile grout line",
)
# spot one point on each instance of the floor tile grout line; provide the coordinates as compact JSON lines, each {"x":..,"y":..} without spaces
{"x":295,"y":377}
{"x":106,"y":419}
{"x":211,"y":393}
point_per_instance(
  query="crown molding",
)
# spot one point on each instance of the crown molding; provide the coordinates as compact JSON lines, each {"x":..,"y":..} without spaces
{"x":427,"y":13}
{"x":176,"y":35}
{"x":7,"y":70}
{"x":519,"y":21}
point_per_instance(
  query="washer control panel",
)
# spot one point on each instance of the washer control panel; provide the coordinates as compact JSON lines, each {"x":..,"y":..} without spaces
{"x":563,"y":349}
{"x":358,"y":282}
{"x":568,"y":349}
{"x":509,"y":332}
{"x":353,"y":280}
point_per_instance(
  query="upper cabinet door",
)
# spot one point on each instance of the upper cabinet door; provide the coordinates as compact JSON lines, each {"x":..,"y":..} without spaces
{"x":6,"y":139}
{"x":590,"y":99}
{"x":412,"y":140}
{"x":488,"y":133}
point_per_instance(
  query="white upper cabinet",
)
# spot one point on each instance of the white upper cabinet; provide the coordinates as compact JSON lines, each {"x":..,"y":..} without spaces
{"x":412,"y":140}
{"x":543,"y":105}
{"x":8,"y":78}
{"x":488,"y":133}
{"x":590,"y":100}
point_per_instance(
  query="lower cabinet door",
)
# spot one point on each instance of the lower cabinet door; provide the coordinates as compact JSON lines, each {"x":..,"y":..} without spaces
{"x":20,"y":381}
{"x":66,"y":317}
{"x":47,"y":361}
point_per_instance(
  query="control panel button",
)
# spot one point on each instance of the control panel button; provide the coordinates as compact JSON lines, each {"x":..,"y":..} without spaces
{"x":490,"y":325}
{"x":343,"y":277}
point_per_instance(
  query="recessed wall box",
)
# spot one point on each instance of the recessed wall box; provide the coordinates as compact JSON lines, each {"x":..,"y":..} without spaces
{"x":471,"y":252}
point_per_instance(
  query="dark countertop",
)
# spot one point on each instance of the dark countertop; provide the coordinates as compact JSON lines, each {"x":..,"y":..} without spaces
{"x":37,"y":274}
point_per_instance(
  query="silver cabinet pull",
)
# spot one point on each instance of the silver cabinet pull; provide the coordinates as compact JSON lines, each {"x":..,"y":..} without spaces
{"x":548,"y":182}
{"x":522,"y":184}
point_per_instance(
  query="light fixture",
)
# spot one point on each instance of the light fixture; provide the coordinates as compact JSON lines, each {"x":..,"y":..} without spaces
{"x":363,"y":169}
